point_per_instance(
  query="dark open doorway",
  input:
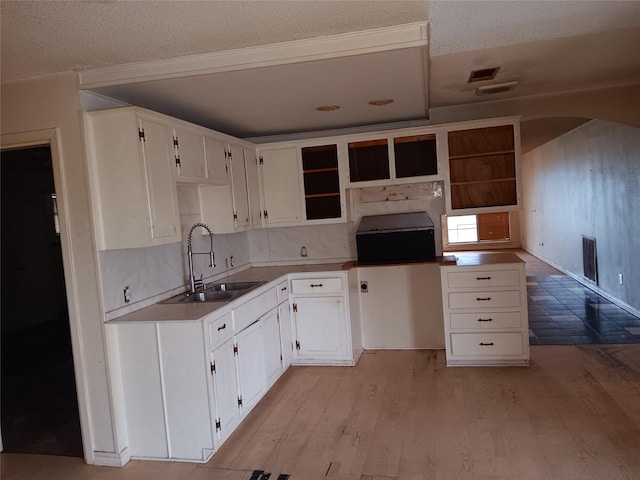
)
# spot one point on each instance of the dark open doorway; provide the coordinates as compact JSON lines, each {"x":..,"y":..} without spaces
{"x":38,"y":400}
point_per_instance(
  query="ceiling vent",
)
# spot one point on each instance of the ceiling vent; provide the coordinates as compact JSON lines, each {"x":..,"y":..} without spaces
{"x":496,"y":88}
{"x":482,"y":75}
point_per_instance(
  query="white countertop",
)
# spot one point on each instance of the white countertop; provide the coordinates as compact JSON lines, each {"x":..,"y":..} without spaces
{"x":196,"y":311}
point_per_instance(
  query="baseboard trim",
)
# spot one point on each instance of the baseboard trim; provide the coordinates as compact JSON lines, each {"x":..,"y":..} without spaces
{"x":588,"y":284}
{"x":111,"y":459}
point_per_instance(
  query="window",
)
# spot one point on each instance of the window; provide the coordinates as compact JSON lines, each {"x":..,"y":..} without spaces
{"x":462,"y":229}
{"x":484,"y":227}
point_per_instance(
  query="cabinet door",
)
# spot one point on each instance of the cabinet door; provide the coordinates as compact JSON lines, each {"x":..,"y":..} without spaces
{"x":253,"y":187}
{"x":186,"y":399}
{"x":251,"y":371}
{"x":216,"y":207}
{"x":239,"y":182}
{"x":320,"y":325}
{"x":272,"y":348}
{"x":217,"y":161}
{"x":190,"y":153}
{"x":286,"y":334}
{"x":281,"y":186}
{"x":225,"y":390}
{"x":158,"y":160}
{"x":321,"y":182}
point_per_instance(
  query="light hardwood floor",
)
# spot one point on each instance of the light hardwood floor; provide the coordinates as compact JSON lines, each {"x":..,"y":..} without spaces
{"x":402,"y":415}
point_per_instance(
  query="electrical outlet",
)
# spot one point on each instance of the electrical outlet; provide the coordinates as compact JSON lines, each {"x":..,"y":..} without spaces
{"x":303,"y":251}
{"x":127,"y":294}
{"x":620,"y":279}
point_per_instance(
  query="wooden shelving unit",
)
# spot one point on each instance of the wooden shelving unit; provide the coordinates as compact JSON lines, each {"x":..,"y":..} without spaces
{"x":321,"y":182}
{"x":482,"y":167}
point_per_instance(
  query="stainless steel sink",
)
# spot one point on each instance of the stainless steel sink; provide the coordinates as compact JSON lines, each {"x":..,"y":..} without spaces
{"x":234,"y":286}
{"x":217,"y":292}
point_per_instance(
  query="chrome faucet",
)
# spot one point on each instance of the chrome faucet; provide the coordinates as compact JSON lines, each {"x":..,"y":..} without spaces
{"x":193,"y":283}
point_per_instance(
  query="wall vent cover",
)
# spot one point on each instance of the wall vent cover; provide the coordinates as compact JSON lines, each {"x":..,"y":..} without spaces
{"x":589,"y":258}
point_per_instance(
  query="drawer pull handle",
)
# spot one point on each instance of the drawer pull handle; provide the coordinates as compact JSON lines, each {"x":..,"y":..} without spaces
{"x":483,"y":278}
{"x":316,"y":285}
{"x":485,"y":319}
{"x":222,"y":327}
{"x":486,"y":344}
{"x":485,"y":299}
{"x":283,"y":289}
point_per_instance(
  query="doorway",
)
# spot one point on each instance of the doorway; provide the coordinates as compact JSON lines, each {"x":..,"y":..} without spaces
{"x":38,"y":398}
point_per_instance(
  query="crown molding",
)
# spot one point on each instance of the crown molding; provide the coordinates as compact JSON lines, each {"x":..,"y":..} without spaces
{"x":333,"y":46}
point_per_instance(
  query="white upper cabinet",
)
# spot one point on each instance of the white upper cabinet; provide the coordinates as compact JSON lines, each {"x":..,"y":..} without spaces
{"x":281,"y":186}
{"x":239,"y":183}
{"x":253,"y":186}
{"x":131,"y":157}
{"x":217,"y":162}
{"x":190,"y":158}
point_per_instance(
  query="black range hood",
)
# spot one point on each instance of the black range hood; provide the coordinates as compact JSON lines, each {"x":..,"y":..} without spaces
{"x":396,"y":238}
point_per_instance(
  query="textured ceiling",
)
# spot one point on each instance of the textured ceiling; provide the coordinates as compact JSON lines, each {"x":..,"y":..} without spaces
{"x":44,"y":37}
{"x":463,"y":26}
{"x":548,"y":47}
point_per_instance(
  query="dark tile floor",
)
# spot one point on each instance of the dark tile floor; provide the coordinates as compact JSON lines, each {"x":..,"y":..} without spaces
{"x":564,"y":312}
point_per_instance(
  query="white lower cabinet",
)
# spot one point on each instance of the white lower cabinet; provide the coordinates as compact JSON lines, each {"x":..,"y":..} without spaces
{"x":272,"y":346}
{"x":252,"y":379}
{"x":320,"y":328}
{"x":485,"y":311}
{"x":286,"y":334}
{"x":184,"y":386}
{"x":223,"y":389}
{"x":321,"y":320}
{"x":164,"y":390}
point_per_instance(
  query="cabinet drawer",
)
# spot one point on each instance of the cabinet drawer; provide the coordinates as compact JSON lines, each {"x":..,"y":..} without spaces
{"x":321,"y":286}
{"x":220,"y":330}
{"x":485,"y":320}
{"x":283,"y":291}
{"x":249,"y":312}
{"x":510,"y":298}
{"x":486,"y":344}
{"x":484,"y":278}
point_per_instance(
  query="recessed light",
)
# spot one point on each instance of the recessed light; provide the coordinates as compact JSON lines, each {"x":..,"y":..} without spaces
{"x":496,"y":88}
{"x":482,"y":75}
{"x":327,"y":108}
{"x":381,"y":102}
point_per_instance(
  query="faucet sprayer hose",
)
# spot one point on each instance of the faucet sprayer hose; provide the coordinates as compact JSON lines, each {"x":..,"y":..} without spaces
{"x":199,"y":224}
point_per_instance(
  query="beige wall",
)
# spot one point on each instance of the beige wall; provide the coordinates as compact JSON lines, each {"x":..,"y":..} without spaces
{"x":587,"y":182}
{"x":38,"y":110}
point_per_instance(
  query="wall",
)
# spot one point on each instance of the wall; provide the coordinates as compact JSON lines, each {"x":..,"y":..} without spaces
{"x":32,"y":110}
{"x":587,"y":182}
